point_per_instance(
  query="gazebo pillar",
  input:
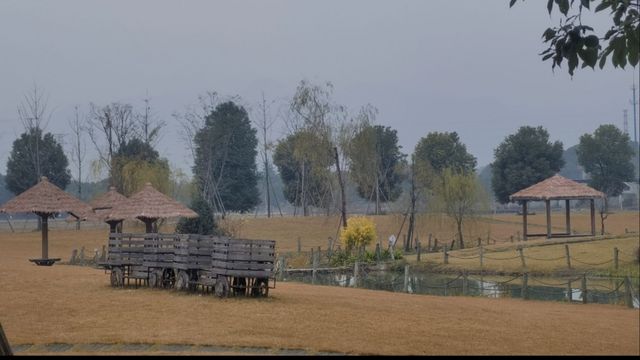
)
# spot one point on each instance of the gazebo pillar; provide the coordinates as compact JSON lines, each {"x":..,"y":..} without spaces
{"x":567,"y":207}
{"x":548,"y":206}
{"x":45,"y":235}
{"x":524,"y":220}
{"x":593,"y":217}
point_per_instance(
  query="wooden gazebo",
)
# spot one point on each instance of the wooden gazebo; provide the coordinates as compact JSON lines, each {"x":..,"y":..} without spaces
{"x":557,"y":188}
{"x":148,"y":205}
{"x":104,"y":204}
{"x":45,"y":200}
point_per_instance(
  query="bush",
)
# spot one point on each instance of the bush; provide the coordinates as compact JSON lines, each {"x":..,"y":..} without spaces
{"x":360,"y":232}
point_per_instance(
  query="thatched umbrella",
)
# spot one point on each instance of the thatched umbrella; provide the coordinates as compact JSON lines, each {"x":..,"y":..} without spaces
{"x":45,"y":199}
{"x":104,"y":204}
{"x":148,"y":205}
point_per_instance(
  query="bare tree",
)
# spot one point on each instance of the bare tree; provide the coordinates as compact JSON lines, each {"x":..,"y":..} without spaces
{"x":264,"y":125}
{"x":35,"y":118}
{"x":148,"y":125}
{"x":109,"y":128}
{"x":78,"y":149}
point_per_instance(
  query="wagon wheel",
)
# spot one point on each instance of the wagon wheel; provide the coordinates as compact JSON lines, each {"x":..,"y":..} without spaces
{"x":222,"y":287}
{"x":182,"y":280}
{"x":117,"y":277}
{"x":168,"y":278}
{"x":261,"y":287}
{"x":240,"y":286}
{"x":154,"y":278}
{"x":193,"y":283}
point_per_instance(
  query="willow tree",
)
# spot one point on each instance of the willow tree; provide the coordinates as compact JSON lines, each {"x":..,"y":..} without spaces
{"x":460,"y":196}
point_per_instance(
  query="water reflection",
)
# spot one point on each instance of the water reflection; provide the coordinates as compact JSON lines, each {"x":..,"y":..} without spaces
{"x":605,"y":291}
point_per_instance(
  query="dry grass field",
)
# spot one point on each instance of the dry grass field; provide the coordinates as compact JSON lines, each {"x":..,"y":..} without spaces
{"x":75,"y":305}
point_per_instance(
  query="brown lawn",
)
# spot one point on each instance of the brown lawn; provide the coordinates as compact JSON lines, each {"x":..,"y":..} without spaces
{"x":72,"y":304}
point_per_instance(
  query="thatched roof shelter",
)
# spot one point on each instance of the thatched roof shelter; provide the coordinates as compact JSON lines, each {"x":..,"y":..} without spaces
{"x":104,"y":204}
{"x":149,"y":205}
{"x":557,"y":187}
{"x":45,"y":199}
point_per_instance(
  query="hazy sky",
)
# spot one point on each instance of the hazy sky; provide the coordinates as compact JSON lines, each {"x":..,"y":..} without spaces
{"x":467,"y":66}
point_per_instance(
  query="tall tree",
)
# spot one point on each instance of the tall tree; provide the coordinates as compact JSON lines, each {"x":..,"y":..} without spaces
{"x":110,"y":128}
{"x":225,"y":163}
{"x":375,"y":159}
{"x":312,"y":123}
{"x":523,"y":159}
{"x":606,"y":157}
{"x":22,"y":167}
{"x":575,"y":41}
{"x":460,"y":196}
{"x":438,"y":151}
{"x":304,"y":174}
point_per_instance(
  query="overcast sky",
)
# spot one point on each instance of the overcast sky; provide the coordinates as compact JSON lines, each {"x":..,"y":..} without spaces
{"x":466,"y":66}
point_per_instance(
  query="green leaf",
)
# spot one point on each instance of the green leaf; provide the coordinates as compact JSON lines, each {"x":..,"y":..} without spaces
{"x":591,"y":41}
{"x":564,"y":6}
{"x":550,"y":6}
{"x":603,"y":5}
{"x":585,"y":3}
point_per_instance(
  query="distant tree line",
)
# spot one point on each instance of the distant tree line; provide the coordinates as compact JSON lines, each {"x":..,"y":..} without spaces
{"x":222,"y":136}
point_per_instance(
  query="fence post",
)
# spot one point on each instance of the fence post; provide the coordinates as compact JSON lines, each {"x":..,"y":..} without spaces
{"x":481,"y":257}
{"x":511,"y":238}
{"x":355,"y":274}
{"x":479,"y":241}
{"x":319,"y":253}
{"x":299,"y":246}
{"x":464,"y":283}
{"x":525,"y":286}
{"x":418,"y":248}
{"x":566,"y":250}
{"x":429,"y":244}
{"x":104,"y":253}
{"x":435,"y":245}
{"x":315,"y":266}
{"x":330,"y":248}
{"x":453,"y":242}
{"x":312,"y":256}
{"x":569,"y":292}
{"x":615,"y":257}
{"x":584,"y":288}
{"x":74,"y":257}
{"x":406,"y":278}
{"x":628,"y":298}
{"x":378,"y":252}
{"x":281,"y":268}
{"x":446,"y":256}
{"x":524,"y":265}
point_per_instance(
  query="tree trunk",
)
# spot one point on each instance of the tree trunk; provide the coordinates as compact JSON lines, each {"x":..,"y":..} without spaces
{"x":343,"y":199}
{"x":460,"y":234}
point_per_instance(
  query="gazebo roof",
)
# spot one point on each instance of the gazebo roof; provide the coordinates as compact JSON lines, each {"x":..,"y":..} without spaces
{"x":149,"y":203}
{"x":107,"y":200}
{"x":46,"y":198}
{"x":557,"y":188}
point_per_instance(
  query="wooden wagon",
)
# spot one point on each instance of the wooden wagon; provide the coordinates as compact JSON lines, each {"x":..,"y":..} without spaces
{"x":186,"y":261}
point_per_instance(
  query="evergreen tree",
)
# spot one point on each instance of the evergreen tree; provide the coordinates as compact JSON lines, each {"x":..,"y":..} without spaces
{"x":22,"y":172}
{"x":523,"y":159}
{"x":225,"y":162}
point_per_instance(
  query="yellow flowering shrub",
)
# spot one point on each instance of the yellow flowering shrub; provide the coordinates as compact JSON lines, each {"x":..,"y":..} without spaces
{"x":360,"y":231}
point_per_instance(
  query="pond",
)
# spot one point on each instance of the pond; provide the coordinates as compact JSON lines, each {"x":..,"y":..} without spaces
{"x":599,"y":290}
